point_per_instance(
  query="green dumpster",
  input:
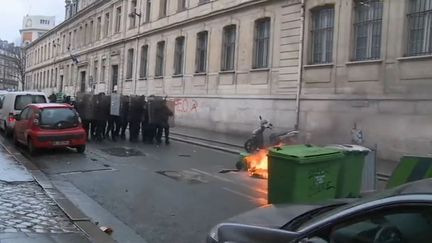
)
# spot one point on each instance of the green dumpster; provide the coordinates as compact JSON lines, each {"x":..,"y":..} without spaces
{"x":350,"y":176}
{"x":411,"y":168}
{"x":302,"y":173}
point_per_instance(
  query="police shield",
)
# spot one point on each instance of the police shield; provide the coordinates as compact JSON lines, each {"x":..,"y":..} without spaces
{"x":136,"y":108}
{"x":171,"y":106}
{"x":154,"y":106}
{"x":115,"y":105}
{"x":86,"y":106}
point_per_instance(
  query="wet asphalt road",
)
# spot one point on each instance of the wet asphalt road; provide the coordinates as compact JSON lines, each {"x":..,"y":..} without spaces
{"x":164,"y":193}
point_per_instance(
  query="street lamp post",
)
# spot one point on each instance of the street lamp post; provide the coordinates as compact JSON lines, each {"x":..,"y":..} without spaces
{"x":137,"y":48}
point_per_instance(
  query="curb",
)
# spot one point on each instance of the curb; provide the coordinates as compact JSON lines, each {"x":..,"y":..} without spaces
{"x":77,"y":217}
{"x":206,"y":145}
{"x":186,"y":136}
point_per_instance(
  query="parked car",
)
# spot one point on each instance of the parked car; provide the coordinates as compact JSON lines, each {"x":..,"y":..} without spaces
{"x":399,"y":215}
{"x":47,"y":126}
{"x":12,"y":103}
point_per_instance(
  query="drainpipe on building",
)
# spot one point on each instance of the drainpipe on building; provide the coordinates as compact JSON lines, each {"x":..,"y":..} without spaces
{"x":137,"y":56}
{"x":300,"y":66}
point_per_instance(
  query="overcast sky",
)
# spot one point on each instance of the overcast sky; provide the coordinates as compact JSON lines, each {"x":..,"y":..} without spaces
{"x":13,"y":11}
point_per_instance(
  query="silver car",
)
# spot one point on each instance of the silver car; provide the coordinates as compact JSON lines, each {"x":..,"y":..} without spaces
{"x":399,"y":215}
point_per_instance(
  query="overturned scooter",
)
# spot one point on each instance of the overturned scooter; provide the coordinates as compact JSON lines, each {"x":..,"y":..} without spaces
{"x":256,"y":142}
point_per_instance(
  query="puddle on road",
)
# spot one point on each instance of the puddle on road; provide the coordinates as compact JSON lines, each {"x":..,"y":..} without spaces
{"x":123,"y":152}
{"x":189,"y":177}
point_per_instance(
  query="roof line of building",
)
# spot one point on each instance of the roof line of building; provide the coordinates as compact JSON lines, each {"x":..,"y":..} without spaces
{"x":97,"y":3}
{"x":33,"y":29}
{"x":66,"y":21}
{"x":153,"y":31}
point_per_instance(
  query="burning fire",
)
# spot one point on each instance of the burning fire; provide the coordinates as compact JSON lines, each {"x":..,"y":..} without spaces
{"x":257,"y":163}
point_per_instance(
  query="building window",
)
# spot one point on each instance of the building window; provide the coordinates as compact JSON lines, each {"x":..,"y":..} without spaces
{"x":71,"y":72}
{"x":261,"y":43}
{"x":322,"y":35}
{"x":367,"y":29}
{"x":44,"y":81}
{"x":69,"y":44}
{"x":143,"y":61}
{"x":420,"y":27}
{"x":148,"y":11}
{"x":133,"y":10}
{"x":163,"y":8}
{"x":159,"y":72}
{"x":85,"y":36}
{"x":203,"y":1}
{"x":228,"y":47}
{"x":181,"y":5}
{"x":103,"y":70}
{"x":201,"y":52}
{"x":95,"y":72}
{"x":179,"y":55}
{"x":81,"y":36}
{"x":107,"y":23}
{"x":64,"y":44}
{"x":98,"y":28}
{"x":129,"y":67}
{"x":90,"y":33}
{"x":53,"y":78}
{"x":118,"y":19}
{"x":74,"y":43}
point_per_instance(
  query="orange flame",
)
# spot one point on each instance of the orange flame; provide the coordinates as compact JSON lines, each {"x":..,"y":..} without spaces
{"x":257,"y":163}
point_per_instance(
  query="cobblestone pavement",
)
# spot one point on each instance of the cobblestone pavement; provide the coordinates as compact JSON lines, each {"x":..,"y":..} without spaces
{"x":24,"y":207}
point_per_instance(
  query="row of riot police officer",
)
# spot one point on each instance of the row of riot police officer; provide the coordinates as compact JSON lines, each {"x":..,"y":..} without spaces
{"x":106,"y":117}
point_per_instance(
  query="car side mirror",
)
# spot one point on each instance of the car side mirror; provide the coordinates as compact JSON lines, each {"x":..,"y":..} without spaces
{"x":17,"y":117}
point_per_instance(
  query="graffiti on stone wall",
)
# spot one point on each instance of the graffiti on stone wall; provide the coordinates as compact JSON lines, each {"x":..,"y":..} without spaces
{"x":186,"y":105}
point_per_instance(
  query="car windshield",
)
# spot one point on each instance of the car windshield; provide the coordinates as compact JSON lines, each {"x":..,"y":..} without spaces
{"x":58,"y":118}
{"x":21,"y":101}
{"x":325,"y":214}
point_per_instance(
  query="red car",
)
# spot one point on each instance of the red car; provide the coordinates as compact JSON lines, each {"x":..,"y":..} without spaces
{"x":47,"y":126}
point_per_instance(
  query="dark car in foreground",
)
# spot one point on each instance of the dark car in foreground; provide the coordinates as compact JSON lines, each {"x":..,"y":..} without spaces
{"x":47,"y":126}
{"x":399,"y":215}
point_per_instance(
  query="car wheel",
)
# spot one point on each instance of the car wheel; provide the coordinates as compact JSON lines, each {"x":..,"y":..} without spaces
{"x":15,"y":139}
{"x":81,"y":149}
{"x":31,"y":147}
{"x":7,"y":131}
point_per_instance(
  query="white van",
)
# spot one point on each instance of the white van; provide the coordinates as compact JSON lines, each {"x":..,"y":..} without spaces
{"x":12,"y":103}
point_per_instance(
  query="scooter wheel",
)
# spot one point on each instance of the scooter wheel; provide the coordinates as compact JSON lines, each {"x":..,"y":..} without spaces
{"x":250,"y":146}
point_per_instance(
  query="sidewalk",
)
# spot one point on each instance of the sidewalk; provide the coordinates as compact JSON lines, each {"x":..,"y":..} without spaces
{"x":234,"y":144}
{"x":222,"y":138}
{"x":27,"y":213}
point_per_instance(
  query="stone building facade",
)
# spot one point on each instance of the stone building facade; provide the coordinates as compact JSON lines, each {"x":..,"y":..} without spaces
{"x":375,"y":73}
{"x":324,"y":65}
{"x":224,"y":61}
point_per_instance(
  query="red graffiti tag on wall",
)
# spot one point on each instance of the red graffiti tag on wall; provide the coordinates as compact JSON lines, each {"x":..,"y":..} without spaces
{"x":186,"y":105}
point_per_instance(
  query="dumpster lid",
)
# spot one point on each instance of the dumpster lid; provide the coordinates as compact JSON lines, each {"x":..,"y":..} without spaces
{"x":349,"y":147}
{"x":305,"y":153}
